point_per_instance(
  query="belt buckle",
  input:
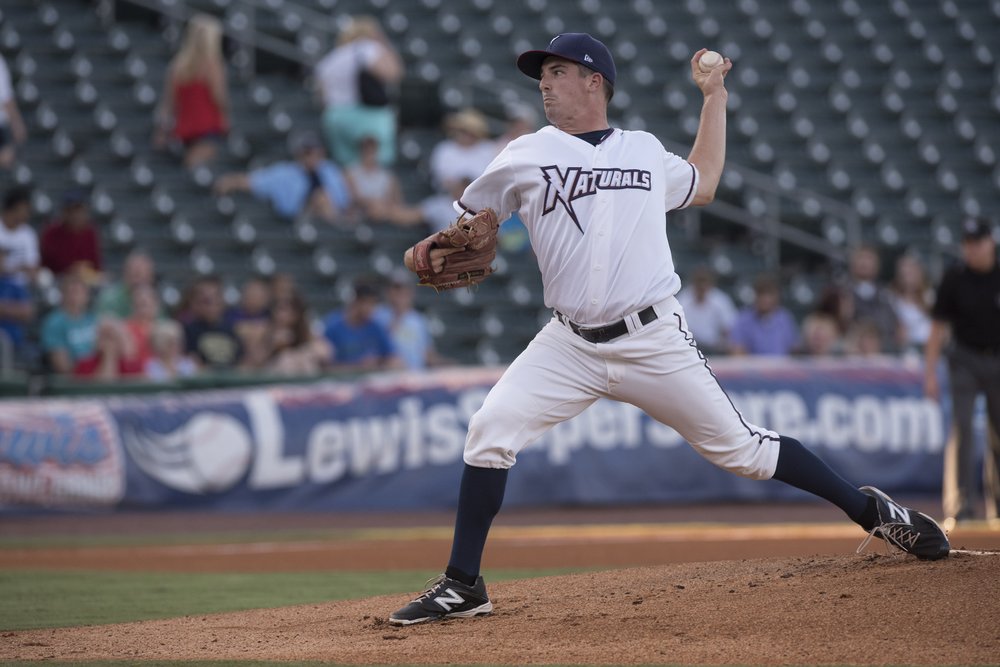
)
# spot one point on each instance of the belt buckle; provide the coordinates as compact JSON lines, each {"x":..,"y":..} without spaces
{"x":568,"y":323}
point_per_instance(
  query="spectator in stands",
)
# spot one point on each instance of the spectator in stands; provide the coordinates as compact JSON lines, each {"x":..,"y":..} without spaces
{"x":465,"y":152}
{"x":69,"y":331}
{"x":361,"y":47}
{"x":309,"y":185}
{"x":209,"y":337}
{"x":864,"y":339}
{"x":376,"y":191}
{"x":252,"y":315}
{"x":359,"y":342}
{"x":766,"y":327}
{"x":255,"y":344}
{"x":113,"y":357}
{"x":821,"y":336}
{"x":295,"y":349}
{"x":454,"y":163}
{"x":139,"y":325}
{"x":70,"y":242}
{"x":911,"y":294}
{"x":411,"y":337}
{"x":18,"y":240}
{"x":194,"y":106}
{"x":12,"y":128}
{"x":870,"y":300}
{"x":17,"y":310}
{"x":709,"y":311}
{"x":438,"y":210}
{"x":115,"y":299}
{"x":168,"y":361}
{"x":283,"y":287}
{"x":836,"y":303}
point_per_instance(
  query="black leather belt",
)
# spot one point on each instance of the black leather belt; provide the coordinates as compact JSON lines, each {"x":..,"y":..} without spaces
{"x":609,"y":332}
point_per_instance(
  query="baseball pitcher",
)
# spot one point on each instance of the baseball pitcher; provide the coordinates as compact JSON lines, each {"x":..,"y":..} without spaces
{"x":594,"y":200}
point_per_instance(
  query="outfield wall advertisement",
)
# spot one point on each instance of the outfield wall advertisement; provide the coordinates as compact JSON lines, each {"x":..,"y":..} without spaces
{"x":395,"y":442}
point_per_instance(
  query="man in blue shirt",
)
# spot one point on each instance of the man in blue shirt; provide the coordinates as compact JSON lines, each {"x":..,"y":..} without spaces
{"x":359,"y":342}
{"x":766,"y":328}
{"x":407,"y":327}
{"x":309,"y":185}
{"x":69,"y":332}
{"x":17,"y":309}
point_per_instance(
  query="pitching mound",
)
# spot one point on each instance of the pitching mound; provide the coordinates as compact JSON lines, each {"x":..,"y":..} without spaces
{"x":846,"y":610}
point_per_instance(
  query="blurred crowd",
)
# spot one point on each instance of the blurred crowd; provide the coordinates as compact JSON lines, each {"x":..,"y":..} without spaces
{"x":107,"y":327}
{"x":860,"y":314}
{"x":103,"y":326}
{"x":112,"y":326}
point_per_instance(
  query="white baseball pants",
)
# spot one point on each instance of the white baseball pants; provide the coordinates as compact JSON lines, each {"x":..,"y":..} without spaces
{"x":656,"y":367}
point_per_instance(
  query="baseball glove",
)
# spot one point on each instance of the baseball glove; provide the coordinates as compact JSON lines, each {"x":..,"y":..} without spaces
{"x":476,"y":237}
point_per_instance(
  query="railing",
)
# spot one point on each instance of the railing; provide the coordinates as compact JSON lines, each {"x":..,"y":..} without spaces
{"x":318,"y":34}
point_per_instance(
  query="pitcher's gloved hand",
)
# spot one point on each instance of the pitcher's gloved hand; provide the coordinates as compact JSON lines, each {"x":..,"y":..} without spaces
{"x":473,"y":245}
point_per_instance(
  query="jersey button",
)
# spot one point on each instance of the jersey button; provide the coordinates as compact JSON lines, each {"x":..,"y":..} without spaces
{"x":597,"y":267}
{"x":593,"y":302}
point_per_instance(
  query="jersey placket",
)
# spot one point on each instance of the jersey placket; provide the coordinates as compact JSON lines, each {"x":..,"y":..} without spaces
{"x":599,"y":242}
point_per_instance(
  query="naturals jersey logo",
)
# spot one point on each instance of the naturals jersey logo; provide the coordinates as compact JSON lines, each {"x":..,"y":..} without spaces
{"x":566,"y":187}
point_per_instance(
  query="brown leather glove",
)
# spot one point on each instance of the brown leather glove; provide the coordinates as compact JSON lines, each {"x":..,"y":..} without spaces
{"x":477,"y":238}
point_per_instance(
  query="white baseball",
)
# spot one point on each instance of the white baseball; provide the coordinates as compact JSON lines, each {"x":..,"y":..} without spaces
{"x":709,"y":61}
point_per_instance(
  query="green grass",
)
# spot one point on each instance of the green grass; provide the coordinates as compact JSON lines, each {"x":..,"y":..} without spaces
{"x":59,"y":598}
{"x":170,"y":539}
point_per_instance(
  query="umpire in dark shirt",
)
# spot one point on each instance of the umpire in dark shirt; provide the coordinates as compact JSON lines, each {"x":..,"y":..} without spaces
{"x":968,"y":303}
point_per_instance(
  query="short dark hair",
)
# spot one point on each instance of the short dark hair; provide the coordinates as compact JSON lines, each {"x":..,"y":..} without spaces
{"x":365,"y":287}
{"x":15,"y":197}
{"x":609,"y":90}
{"x":767,"y":283}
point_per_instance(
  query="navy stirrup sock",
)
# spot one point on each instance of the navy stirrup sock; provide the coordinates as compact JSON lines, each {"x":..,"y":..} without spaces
{"x":804,"y":470}
{"x":479,"y":499}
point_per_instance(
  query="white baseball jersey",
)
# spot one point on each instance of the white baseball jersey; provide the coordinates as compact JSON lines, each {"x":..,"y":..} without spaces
{"x":595,"y":215}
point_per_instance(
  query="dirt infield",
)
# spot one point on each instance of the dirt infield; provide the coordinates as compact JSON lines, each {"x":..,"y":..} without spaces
{"x":603,"y":545}
{"x":581,"y":538}
{"x":822,"y":610}
{"x":740,"y":592}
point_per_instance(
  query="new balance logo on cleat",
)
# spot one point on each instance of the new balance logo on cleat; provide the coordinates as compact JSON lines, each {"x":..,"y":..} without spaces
{"x":445,"y":598}
{"x":452,"y":598}
{"x":906,"y":529}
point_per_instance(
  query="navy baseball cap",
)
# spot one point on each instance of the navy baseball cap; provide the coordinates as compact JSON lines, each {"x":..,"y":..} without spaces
{"x":974,"y":229}
{"x":74,"y":197}
{"x":578,"y":47}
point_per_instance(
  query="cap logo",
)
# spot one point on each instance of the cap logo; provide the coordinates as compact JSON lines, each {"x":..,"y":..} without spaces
{"x":587,"y":58}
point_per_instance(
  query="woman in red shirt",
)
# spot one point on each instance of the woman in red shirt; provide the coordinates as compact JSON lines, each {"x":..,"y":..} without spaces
{"x":139,"y":327}
{"x":194,"y":106}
